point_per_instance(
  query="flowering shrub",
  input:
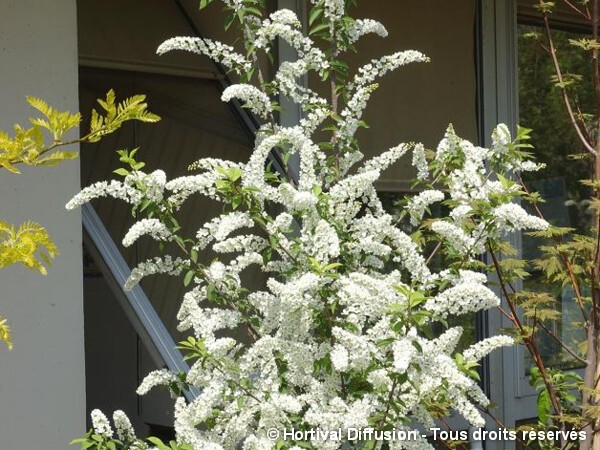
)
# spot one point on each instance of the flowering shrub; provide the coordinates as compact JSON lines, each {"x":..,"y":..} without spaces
{"x":341,"y":335}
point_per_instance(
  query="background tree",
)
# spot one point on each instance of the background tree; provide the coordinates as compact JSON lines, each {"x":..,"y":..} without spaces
{"x":559,"y":71}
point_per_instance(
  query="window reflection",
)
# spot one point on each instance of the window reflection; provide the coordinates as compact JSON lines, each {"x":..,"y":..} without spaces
{"x":541,"y":108}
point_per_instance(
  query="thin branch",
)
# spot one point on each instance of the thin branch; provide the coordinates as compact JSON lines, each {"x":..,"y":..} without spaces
{"x":561,"y":343}
{"x":389,"y":404}
{"x":334,"y":93}
{"x":581,"y":117}
{"x":333,"y":76}
{"x":57,"y":143}
{"x":597,"y":250}
{"x":531,"y":346}
{"x":595,"y":68}
{"x":588,"y":13}
{"x":576,"y":9}
{"x":559,"y":76}
{"x":597,"y":381}
{"x":435,"y":250}
{"x":505,"y":314}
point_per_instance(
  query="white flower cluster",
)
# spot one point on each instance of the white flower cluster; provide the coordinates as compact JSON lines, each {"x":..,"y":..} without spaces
{"x":458,"y":239}
{"x":101,"y":424}
{"x":353,"y":111}
{"x":152,"y":227}
{"x":420,"y":202}
{"x":152,"y":184}
{"x":334,"y":9}
{"x":166,"y":265}
{"x":313,"y":105}
{"x":483,"y":348}
{"x":236,"y":5}
{"x":512,"y":217}
{"x":362,"y":88}
{"x":324,"y":244}
{"x":136,"y":186}
{"x":297,"y":142}
{"x":285,"y":24}
{"x":224,"y":54}
{"x":221,"y":227}
{"x":501,"y":138}
{"x":368,"y":73}
{"x":160,"y":377}
{"x":362,"y":27}
{"x":204,"y":184}
{"x":125,"y":430}
{"x":419,"y":161}
{"x":251,"y":97}
{"x":470,"y":176}
{"x":500,"y":152}
{"x":114,"y":189}
{"x":464,"y":298}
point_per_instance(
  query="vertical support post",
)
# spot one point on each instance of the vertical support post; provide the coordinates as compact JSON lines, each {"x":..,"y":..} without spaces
{"x":291,"y":113}
{"x":500,"y":104}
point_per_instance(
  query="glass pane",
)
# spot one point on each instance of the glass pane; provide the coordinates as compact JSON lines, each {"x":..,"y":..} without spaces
{"x":542,"y":109}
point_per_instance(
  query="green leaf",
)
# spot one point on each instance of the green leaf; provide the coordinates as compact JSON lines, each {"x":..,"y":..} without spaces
{"x":132,"y":108}
{"x":319,"y":28}
{"x":543,"y":406}
{"x":159,"y":444}
{"x":189,"y":276}
{"x":315,"y":13}
{"x":121,"y":171}
{"x":585,"y":44}
{"x":55,"y":158}
{"x":252,"y":10}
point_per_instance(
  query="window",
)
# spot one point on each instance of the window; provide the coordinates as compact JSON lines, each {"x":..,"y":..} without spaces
{"x":541,"y":108}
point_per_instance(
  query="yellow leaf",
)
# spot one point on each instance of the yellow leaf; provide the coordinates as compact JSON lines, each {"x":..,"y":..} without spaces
{"x":5,"y":333}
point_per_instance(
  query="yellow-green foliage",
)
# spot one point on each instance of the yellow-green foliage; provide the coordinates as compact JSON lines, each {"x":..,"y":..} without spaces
{"x":28,"y":146}
{"x":132,"y":108}
{"x":5,"y":333}
{"x":30,"y":243}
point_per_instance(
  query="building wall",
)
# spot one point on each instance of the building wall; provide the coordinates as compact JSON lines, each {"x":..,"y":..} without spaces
{"x":42,"y":381}
{"x":416,"y":103}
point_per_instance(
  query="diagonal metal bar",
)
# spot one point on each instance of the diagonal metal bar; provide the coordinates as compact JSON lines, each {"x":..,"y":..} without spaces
{"x":135,"y":303}
{"x":245,"y":118}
